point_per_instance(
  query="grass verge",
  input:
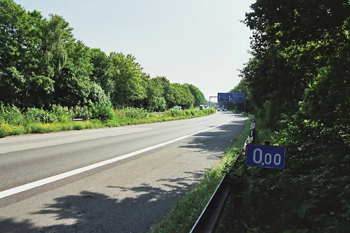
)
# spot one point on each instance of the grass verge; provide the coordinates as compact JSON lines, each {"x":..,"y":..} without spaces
{"x":186,"y":212}
{"x":13,"y":122}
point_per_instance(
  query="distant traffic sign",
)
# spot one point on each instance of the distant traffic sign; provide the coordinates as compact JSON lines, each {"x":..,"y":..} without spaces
{"x":265,"y":156}
{"x":230,"y":97}
{"x":225,"y":97}
{"x":238,"y":97}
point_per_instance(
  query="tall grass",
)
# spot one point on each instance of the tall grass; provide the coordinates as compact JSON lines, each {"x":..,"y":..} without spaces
{"x":15,"y":121}
{"x":11,"y":115}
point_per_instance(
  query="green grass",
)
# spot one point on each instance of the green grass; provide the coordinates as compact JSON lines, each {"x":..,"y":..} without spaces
{"x":14,"y":121}
{"x":186,"y":212}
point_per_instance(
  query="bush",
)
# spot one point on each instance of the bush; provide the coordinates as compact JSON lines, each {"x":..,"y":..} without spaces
{"x":13,"y":121}
{"x":137,"y":113}
{"x":82,"y":112}
{"x":36,"y":115}
{"x":5,"y":130}
{"x":102,"y":112}
{"x":11,"y":115}
{"x":176,"y":113}
{"x":62,"y":114}
{"x":308,"y":195}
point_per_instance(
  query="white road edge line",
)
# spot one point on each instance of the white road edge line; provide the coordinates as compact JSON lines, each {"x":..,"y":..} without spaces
{"x":35,"y":184}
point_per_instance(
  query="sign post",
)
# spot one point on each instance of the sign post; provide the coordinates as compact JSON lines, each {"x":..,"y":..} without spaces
{"x":252,"y":132}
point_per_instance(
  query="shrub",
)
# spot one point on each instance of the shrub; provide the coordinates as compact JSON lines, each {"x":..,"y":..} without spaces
{"x":137,"y":113}
{"x":82,"y":125}
{"x":36,"y":115}
{"x":18,"y":130}
{"x":82,"y":112}
{"x":11,"y":115}
{"x":175,"y":113}
{"x":101,"y":111}
{"x":62,"y":114}
{"x":39,"y":128}
{"x":14,"y":121}
{"x":5,"y":130}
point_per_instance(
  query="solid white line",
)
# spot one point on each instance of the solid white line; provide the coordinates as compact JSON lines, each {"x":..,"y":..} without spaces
{"x":51,"y":179}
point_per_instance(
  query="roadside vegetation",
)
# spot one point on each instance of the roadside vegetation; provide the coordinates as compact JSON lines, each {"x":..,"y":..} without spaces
{"x":297,"y":84}
{"x":42,"y":65}
{"x":48,"y":78}
{"x":14,"y":121}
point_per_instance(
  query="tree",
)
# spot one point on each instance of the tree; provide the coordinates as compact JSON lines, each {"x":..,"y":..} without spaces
{"x":22,"y":80}
{"x":98,"y":95}
{"x":299,"y":73}
{"x":129,"y":81}
{"x":72,"y":84}
{"x":42,"y":64}
{"x":197,"y":95}
{"x":102,"y":72}
{"x":292,"y":42}
{"x":57,"y":35}
{"x":155,"y":94}
{"x":241,"y":88}
{"x":177,"y":94}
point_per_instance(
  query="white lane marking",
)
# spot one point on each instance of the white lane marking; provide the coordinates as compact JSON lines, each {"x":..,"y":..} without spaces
{"x":51,"y":179}
{"x":59,"y":139}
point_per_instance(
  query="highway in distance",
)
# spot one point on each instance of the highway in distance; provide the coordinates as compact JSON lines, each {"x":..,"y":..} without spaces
{"x":122,"y":179}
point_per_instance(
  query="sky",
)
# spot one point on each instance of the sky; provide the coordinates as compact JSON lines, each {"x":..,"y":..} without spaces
{"x":200,"y":42}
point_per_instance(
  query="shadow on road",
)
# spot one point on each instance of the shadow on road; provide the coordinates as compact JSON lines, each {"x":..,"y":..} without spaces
{"x":213,"y":143}
{"x":97,"y":212}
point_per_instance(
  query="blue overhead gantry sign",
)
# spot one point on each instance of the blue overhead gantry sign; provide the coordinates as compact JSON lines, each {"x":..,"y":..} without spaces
{"x":230,"y":97}
{"x":238,"y":97}
{"x":225,"y":97}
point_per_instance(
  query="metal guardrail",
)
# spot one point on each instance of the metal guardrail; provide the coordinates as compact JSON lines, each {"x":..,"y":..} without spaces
{"x":210,"y":216}
{"x":208,"y":220}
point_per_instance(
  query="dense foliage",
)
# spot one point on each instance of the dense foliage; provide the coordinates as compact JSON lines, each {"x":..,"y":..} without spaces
{"x":297,"y":84}
{"x":15,"y":121}
{"x":42,"y":64}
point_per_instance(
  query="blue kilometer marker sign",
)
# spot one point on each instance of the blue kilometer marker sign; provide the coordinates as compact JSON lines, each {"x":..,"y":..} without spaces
{"x":265,"y":156}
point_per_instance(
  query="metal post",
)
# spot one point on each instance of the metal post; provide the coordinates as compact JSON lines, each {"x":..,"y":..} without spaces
{"x":210,"y":98}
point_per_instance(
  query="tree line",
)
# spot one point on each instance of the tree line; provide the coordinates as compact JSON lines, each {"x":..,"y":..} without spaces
{"x":297,"y":84}
{"x":42,"y":64}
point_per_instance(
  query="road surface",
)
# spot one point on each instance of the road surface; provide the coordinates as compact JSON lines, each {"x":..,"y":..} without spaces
{"x":122,"y":179}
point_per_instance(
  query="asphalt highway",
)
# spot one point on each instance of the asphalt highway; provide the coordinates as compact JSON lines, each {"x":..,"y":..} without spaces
{"x":122,"y":179}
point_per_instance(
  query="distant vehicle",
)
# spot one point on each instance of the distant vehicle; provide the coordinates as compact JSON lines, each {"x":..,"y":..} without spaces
{"x":225,"y":110}
{"x":201,"y":107}
{"x":177,"y":107}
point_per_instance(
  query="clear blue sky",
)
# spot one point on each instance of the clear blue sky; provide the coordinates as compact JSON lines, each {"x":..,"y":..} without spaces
{"x":200,"y":42}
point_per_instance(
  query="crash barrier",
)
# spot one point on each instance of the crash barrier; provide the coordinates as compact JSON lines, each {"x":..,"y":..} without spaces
{"x":209,"y":218}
